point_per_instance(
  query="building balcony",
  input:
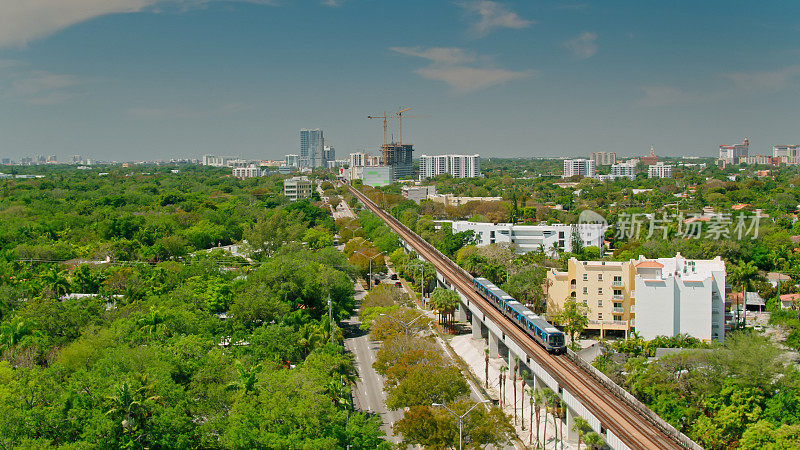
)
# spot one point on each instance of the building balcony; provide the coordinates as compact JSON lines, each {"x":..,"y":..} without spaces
{"x":618,"y":309}
{"x":633,"y":308}
{"x":617,"y":297}
{"x":617,"y":283}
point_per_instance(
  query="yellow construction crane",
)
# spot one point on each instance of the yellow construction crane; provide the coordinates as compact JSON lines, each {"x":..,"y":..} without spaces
{"x":399,"y":115}
{"x":384,"y":117}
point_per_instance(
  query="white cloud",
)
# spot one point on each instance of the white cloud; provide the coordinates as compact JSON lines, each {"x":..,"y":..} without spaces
{"x":439,"y":55}
{"x":765,"y":81}
{"x":490,"y":15}
{"x":24,"y":21}
{"x":457,"y":67}
{"x":743,"y":83}
{"x":333,"y":3}
{"x":469,"y":79}
{"x":38,"y":87}
{"x":582,"y":46}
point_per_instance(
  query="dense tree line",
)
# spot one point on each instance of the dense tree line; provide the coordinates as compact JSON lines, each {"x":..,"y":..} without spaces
{"x":120,"y":328}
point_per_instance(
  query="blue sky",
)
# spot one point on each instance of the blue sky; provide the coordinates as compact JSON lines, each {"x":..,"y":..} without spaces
{"x":143,"y":79}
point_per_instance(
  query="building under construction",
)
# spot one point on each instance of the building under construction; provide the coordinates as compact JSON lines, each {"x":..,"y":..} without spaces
{"x":398,"y":156}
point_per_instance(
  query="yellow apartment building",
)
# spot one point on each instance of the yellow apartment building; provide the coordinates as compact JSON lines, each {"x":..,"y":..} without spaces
{"x":605,"y":287}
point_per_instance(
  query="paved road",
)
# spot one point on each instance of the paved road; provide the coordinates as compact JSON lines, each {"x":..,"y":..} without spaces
{"x":368,"y":391}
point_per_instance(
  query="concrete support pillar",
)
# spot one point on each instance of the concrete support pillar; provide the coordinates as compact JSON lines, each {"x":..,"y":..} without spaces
{"x":461,"y":313}
{"x":476,"y":327}
{"x":537,"y":382}
{"x":572,"y":435}
{"x":493,"y":345}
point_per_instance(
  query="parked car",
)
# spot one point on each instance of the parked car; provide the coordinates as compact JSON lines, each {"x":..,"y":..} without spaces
{"x":398,"y":284}
{"x":394,"y":276}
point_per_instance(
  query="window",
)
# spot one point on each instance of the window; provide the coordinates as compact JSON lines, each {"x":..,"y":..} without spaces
{"x":599,"y":291}
{"x":585,"y":290}
{"x":586,"y":277}
{"x":617,"y":278}
{"x":599,"y":316}
{"x":585,"y":302}
{"x":618,"y":318}
{"x":617,"y":292}
{"x":599,"y":303}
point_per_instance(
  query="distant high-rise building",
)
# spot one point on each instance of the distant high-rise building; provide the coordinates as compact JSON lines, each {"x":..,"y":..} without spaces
{"x":659,"y":170}
{"x":603,"y":158}
{"x":623,"y":170}
{"x":399,"y":158}
{"x":292,"y":160}
{"x":328,"y":154}
{"x":780,"y":151}
{"x":312,"y":144}
{"x":730,"y":154}
{"x":458,"y":166}
{"x":583,"y":167}
{"x":6,"y":161}
{"x":356,"y":159}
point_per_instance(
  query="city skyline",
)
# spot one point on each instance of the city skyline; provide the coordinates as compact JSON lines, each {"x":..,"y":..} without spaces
{"x":148,"y":79}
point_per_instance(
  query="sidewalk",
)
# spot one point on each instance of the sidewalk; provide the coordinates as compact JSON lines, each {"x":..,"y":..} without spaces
{"x":472,"y":352}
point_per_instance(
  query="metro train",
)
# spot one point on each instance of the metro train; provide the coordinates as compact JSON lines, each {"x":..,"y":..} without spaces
{"x":544,"y":333}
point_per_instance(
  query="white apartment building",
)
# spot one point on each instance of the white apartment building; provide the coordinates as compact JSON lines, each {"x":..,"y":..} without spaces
{"x":451,"y":200}
{"x":785,"y":151}
{"x":458,"y":166}
{"x":418,"y":193}
{"x":574,"y":167}
{"x":679,"y":295}
{"x":297,"y":188}
{"x":247,"y":172}
{"x":528,"y":238}
{"x":731,"y":153}
{"x":623,"y":170}
{"x":603,"y":158}
{"x":654,"y":297}
{"x":659,"y":170}
{"x":356,"y":159}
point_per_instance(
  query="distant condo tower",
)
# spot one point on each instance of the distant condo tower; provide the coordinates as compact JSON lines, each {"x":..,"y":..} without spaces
{"x":312,"y":144}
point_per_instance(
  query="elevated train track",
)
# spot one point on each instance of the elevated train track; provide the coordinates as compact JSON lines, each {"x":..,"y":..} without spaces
{"x":633,"y":427}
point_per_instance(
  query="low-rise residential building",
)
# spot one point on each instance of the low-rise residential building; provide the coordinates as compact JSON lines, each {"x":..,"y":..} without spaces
{"x":418,"y":193}
{"x":526,"y":238}
{"x":623,"y":170}
{"x":292,"y":160}
{"x":297,"y":188}
{"x":247,"y":172}
{"x":451,"y":200}
{"x":583,"y":167}
{"x":659,"y":170}
{"x":654,"y":297}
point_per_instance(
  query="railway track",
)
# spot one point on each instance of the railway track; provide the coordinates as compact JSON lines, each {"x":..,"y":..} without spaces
{"x":615,"y":414}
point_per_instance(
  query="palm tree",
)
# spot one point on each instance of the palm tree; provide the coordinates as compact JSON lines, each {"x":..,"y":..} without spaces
{"x":502,"y":397}
{"x":522,"y":400}
{"x":56,"y":282}
{"x":580,"y":426}
{"x":537,"y":399}
{"x":745,"y":275}
{"x":11,"y":333}
{"x":486,"y":366}
{"x":516,"y":367}
{"x":132,"y":406}
{"x":593,"y":440}
{"x":546,"y":395}
{"x":246,"y":380}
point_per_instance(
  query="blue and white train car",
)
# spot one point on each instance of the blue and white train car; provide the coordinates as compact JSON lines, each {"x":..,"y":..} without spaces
{"x":536,"y":327}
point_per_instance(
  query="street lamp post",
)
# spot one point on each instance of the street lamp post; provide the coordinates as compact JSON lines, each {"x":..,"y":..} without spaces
{"x":370,"y":258}
{"x":405,"y":326}
{"x":461,"y":418}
